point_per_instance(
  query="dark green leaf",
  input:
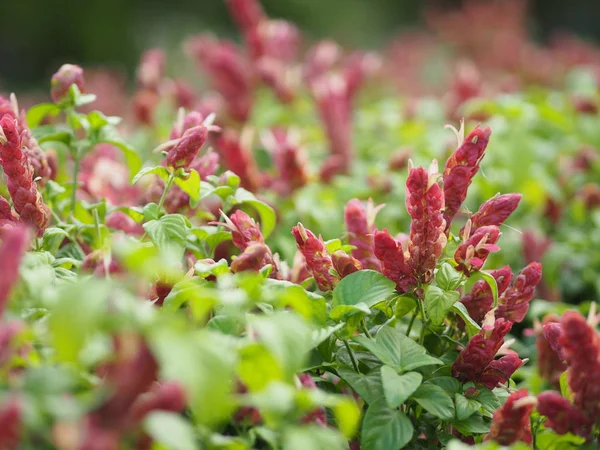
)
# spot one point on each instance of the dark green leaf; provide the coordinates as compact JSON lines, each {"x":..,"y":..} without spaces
{"x":397,"y":388}
{"x":448,"y":278}
{"x":435,"y":400}
{"x":465,"y":407}
{"x":365,"y":286}
{"x":367,"y":386}
{"x":438,"y":303}
{"x":385,"y":428}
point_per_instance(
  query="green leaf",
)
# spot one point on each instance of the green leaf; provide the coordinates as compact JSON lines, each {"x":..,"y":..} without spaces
{"x":449,"y":384}
{"x":168,"y":233}
{"x":473,"y":425}
{"x":365,"y":286}
{"x":397,"y":388}
{"x":132,"y":159}
{"x":367,"y":386}
{"x":171,"y":430}
{"x":491,"y":281}
{"x":435,"y":400}
{"x":489,"y":401}
{"x":76,"y":316}
{"x":395,"y":349}
{"x":438,"y":303}
{"x":565,"y":389}
{"x":465,"y":407}
{"x":448,"y":278}
{"x":312,"y":437}
{"x":53,"y":238}
{"x":385,"y":428}
{"x":190,"y":185}
{"x":344,"y":311}
{"x":405,"y":304}
{"x":161,"y":171}
{"x":267,"y":214}
{"x":37,"y":113}
{"x":472,"y":327}
{"x":549,"y":440}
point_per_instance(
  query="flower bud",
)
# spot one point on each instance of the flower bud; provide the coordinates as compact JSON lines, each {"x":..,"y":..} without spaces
{"x":183,"y":153}
{"x":513,"y":304}
{"x":236,"y":152}
{"x":394,"y":262}
{"x":67,"y":75}
{"x":495,"y":211}
{"x":344,"y":264}
{"x":246,"y":13}
{"x":15,"y":243}
{"x":151,"y":71}
{"x":318,"y":260}
{"x":550,"y":364}
{"x":460,"y":169}
{"x":360,"y":223}
{"x":562,"y":416}
{"x":244,"y":229}
{"x":473,"y":252}
{"x":480,"y":300}
{"x":511,"y":423}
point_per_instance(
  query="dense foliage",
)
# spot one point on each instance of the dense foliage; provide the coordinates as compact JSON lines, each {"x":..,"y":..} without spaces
{"x":219,"y":271}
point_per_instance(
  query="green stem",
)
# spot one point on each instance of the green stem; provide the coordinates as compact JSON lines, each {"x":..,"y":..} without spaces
{"x":412,"y":320}
{"x":97,"y":224}
{"x":424,"y":322}
{"x":363,"y":326}
{"x":167,"y":188}
{"x":75,"y":176}
{"x":354,"y":363}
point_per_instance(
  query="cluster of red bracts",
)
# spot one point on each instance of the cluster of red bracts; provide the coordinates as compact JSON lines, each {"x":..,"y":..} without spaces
{"x":576,"y":344}
{"x":476,"y":361}
{"x":326,"y":269}
{"x":134,"y":393}
{"x":18,"y":153}
{"x":511,"y":422}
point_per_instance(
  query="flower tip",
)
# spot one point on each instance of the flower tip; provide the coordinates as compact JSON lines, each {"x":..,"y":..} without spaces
{"x":14,"y":103}
{"x":530,"y":400}
{"x":592,"y":319}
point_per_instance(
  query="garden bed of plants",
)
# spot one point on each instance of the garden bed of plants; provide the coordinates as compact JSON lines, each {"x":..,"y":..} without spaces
{"x":301,"y":246}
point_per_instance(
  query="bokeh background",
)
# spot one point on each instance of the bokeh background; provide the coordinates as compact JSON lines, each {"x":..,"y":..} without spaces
{"x":37,"y":36}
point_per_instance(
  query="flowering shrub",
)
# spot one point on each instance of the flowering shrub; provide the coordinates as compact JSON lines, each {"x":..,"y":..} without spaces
{"x":220,"y":270}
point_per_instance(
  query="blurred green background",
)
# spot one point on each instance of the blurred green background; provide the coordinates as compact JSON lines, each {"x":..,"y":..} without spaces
{"x":37,"y":36}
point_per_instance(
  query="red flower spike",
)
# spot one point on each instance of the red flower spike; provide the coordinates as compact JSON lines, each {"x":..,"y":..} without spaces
{"x":499,"y":371}
{"x":581,"y":348}
{"x":320,"y":59}
{"x":247,"y":14}
{"x":130,"y":375}
{"x":289,"y":158}
{"x":394,"y":262}
{"x":244,"y":229}
{"x":472,"y":253}
{"x":333,"y":101}
{"x":550,"y":363}
{"x":168,"y":396}
{"x":231,"y":74}
{"x":480,"y":300}
{"x":14,"y":245}
{"x":495,"y":211}
{"x":236,"y":151}
{"x":359,"y":68}
{"x":460,"y":169}
{"x":318,"y":260}
{"x":67,"y":75}
{"x":151,"y":71}
{"x":10,"y":424}
{"x":344,"y":264}
{"x":425,"y":203}
{"x":477,"y":356}
{"x":318,"y":415}
{"x":255,"y":256}
{"x":27,"y":201}
{"x":182,"y":154}
{"x":562,"y":416}
{"x":513,"y":304}
{"x":511,"y":423}
{"x":360,"y":223}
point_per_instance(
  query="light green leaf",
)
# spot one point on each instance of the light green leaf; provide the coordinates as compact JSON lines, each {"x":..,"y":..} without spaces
{"x":435,"y":400}
{"x":161,"y":171}
{"x":344,"y":311}
{"x":365,"y":286}
{"x":190,"y":185}
{"x":491,"y":281}
{"x":395,"y":349}
{"x":385,"y":428}
{"x":472,"y":327}
{"x":397,"y":388}
{"x":37,"y":113}
{"x":448,"y":278}
{"x":314,"y":438}
{"x":171,"y":430}
{"x":438,"y":303}
{"x":475,"y":424}
{"x":267,"y":214}
{"x":52,"y":239}
{"x":168,"y":233}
